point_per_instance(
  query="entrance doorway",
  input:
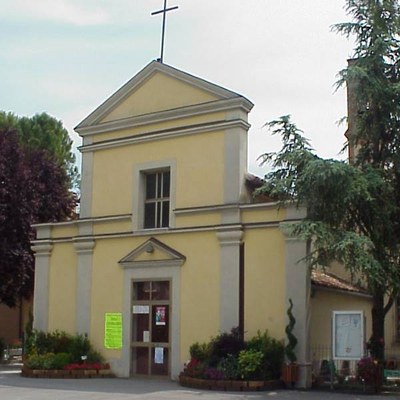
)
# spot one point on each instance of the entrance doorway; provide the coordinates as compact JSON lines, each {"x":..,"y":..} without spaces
{"x":150,"y":341}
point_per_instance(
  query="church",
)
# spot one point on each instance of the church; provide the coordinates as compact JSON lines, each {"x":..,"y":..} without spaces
{"x":170,"y":241}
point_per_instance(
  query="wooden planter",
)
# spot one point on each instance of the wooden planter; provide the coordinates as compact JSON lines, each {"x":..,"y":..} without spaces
{"x":66,"y":374}
{"x":225,"y":385}
{"x":290,"y":374}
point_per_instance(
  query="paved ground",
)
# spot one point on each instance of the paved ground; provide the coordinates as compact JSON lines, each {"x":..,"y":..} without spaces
{"x":14,"y":387}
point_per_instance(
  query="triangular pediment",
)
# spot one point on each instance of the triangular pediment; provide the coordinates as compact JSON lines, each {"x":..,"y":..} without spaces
{"x":152,"y":253}
{"x":155,"y":89}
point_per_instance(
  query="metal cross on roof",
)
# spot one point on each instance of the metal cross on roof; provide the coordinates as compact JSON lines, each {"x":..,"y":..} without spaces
{"x":164,"y":12}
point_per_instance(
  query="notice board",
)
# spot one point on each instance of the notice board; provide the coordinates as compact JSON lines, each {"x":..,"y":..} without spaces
{"x":347,"y":335}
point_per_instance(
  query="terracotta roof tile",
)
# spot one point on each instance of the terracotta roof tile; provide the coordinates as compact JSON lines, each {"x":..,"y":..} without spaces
{"x":328,"y":280}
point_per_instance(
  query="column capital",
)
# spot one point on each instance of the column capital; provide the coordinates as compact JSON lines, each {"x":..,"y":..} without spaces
{"x":83,"y":246}
{"x":42,"y":249}
{"x":230,"y":236}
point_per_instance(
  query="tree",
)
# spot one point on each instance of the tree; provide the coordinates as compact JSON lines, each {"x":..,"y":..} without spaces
{"x":45,"y":132}
{"x":34,"y":188}
{"x":353,"y":210}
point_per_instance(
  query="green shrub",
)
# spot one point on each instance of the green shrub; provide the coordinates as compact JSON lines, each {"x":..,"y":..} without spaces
{"x":228,"y":356}
{"x":200,"y":351}
{"x":60,"y":360}
{"x":48,"y":360}
{"x":273,"y":354}
{"x":33,"y":361}
{"x":79,"y":347}
{"x":292,"y":340}
{"x":224,"y":344}
{"x":230,"y":367}
{"x":38,"y":342}
{"x":94,"y":356}
{"x":250,"y":364}
{"x":40,"y":361}
{"x":67,"y":349}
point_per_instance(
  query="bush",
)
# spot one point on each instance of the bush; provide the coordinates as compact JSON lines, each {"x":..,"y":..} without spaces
{"x":61,"y":360}
{"x":194,"y":369}
{"x":224,"y":344}
{"x":250,"y":364}
{"x":80,"y":346}
{"x":54,"y":350}
{"x":273,"y":354}
{"x":200,"y":351}
{"x":48,"y":361}
{"x":227,"y":356}
{"x":230,"y":367}
{"x":39,"y":342}
{"x":40,"y":361}
{"x":368,"y":370}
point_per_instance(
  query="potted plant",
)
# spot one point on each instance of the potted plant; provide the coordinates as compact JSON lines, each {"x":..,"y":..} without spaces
{"x":290,"y":369}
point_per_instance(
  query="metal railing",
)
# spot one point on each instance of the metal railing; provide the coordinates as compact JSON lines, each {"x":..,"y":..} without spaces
{"x":323,"y":365}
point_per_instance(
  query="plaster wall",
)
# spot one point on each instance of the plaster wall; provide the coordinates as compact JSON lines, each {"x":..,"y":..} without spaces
{"x":62,"y":288}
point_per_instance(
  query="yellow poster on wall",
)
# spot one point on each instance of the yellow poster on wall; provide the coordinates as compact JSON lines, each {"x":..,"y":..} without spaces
{"x":113,"y":331}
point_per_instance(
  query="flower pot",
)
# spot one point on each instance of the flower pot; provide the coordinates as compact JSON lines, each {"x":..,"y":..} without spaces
{"x":290,"y":374}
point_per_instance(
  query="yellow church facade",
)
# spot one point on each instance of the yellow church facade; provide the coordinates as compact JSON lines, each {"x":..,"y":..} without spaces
{"x":169,"y":237}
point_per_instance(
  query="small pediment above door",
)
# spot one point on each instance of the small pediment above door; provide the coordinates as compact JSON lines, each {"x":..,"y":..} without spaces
{"x":152,"y":253}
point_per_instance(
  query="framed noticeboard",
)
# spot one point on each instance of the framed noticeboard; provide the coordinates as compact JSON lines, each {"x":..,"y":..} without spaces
{"x":347,"y":335}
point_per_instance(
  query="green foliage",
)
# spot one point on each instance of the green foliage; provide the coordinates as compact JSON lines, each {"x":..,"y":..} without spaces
{"x":94,"y":356}
{"x":225,"y":343}
{"x":229,"y":366}
{"x":200,"y":351}
{"x":34,"y":361}
{"x":42,"y":131}
{"x":250,"y":362}
{"x":288,"y":163}
{"x":40,"y":343}
{"x":292,"y":340}
{"x":80,"y":346}
{"x":48,"y":361}
{"x":60,"y":360}
{"x":228,"y":356}
{"x":40,"y":361}
{"x":273,"y":354}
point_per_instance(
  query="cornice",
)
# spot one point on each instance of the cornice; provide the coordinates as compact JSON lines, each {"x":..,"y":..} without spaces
{"x":168,"y":115}
{"x":85,"y":221}
{"x":167,"y":134}
{"x":223,"y":207}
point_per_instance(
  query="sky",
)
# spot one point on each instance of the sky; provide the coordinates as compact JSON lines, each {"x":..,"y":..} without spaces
{"x":65,"y":57}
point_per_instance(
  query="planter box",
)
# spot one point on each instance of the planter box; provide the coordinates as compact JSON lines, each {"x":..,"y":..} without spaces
{"x":65,"y":374}
{"x":105,"y":373}
{"x":242,"y":386}
{"x":89,"y":373}
{"x":290,"y":373}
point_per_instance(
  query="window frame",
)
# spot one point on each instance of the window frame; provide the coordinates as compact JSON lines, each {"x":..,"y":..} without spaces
{"x":139,"y":192}
{"x":158,"y":198}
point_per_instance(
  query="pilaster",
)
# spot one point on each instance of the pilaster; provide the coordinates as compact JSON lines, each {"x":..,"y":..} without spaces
{"x":229,"y":240}
{"x":298,"y":284}
{"x":41,"y":286}
{"x":84,"y":250}
{"x":86,"y":182}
